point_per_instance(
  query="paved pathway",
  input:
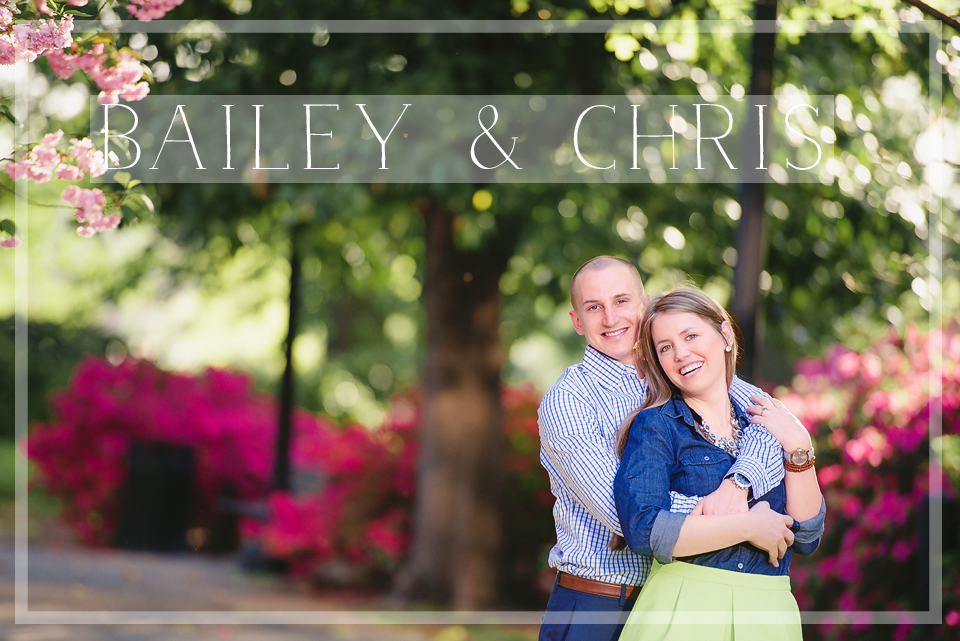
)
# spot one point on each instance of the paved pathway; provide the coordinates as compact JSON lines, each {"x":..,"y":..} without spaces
{"x":69,"y":578}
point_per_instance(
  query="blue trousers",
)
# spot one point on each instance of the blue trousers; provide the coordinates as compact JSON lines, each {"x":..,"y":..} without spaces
{"x":578,"y":616}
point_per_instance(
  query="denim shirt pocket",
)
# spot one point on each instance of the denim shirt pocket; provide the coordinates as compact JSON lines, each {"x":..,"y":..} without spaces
{"x":701,"y":471}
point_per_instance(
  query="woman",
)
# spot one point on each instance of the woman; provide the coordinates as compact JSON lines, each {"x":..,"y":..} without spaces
{"x":728,"y":571}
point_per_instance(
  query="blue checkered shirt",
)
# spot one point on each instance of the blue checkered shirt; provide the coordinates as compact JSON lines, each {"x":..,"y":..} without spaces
{"x":579,"y":418}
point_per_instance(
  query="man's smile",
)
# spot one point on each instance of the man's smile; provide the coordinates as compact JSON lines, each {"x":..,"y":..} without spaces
{"x":614,"y":333}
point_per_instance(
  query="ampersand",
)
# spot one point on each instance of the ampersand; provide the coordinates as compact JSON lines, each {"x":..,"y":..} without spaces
{"x":486,"y":132}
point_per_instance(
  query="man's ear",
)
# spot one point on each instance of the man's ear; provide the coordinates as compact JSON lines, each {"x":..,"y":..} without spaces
{"x":644,"y":300}
{"x":576,"y":322}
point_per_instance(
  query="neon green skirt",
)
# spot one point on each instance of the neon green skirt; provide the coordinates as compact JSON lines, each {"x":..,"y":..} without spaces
{"x":686,"y":602}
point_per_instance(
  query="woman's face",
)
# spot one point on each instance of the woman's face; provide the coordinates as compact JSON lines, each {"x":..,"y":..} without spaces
{"x":691,"y":352}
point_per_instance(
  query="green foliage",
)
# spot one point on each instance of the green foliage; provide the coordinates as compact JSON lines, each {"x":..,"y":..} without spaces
{"x":843,"y":257}
{"x":53,"y":352}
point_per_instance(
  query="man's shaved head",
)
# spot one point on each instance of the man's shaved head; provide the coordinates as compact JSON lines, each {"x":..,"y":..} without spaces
{"x":598,"y":264}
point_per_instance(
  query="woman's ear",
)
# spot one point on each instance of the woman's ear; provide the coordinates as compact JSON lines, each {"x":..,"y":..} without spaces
{"x":727,"y":332}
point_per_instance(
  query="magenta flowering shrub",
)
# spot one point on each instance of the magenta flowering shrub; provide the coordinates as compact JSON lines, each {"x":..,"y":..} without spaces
{"x":80,"y":456}
{"x":357,"y":525}
{"x":349,"y":517}
{"x":358,"y":514}
{"x":870,"y":415}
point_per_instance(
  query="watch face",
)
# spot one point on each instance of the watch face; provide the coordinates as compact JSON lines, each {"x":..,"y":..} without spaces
{"x":799,"y":457}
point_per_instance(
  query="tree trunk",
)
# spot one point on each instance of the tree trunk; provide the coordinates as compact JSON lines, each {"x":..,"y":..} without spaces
{"x":457,"y":529}
{"x":750,"y":236}
{"x":281,"y":469}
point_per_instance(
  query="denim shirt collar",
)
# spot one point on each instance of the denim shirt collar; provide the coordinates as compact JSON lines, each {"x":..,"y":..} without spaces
{"x":677,"y":408}
{"x":610,"y":373}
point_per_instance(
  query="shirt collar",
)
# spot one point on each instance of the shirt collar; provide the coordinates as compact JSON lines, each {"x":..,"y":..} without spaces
{"x":609,"y":372}
{"x":678,"y":409}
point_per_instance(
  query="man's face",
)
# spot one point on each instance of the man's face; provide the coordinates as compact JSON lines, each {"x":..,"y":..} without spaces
{"x":608,"y":303}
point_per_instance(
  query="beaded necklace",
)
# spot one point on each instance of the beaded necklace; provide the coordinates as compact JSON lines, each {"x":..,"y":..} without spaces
{"x":729,"y":445}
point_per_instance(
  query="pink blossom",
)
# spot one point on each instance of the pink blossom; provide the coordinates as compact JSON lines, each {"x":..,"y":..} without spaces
{"x":901,"y":551}
{"x":40,"y":163}
{"x":952,"y":618}
{"x":43,"y":8}
{"x":29,"y":40}
{"x":46,"y":153}
{"x":127,"y":71}
{"x":147,"y":10}
{"x":62,"y":64}
{"x":17,"y":170}
{"x":902,"y":632}
{"x":123,"y":80}
{"x":852,"y":507}
{"x":139,"y":91}
{"x":828,"y":475}
{"x":69,"y":172}
{"x":6,"y":18}
{"x":390,"y":534}
{"x":89,"y":159}
{"x":9,"y":53}
{"x":87,"y":201}
{"x":107,"y":98}
{"x":89,"y":204}
{"x":10,"y":243}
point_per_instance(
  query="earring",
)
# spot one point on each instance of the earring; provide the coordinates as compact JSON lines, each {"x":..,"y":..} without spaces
{"x":727,"y":349}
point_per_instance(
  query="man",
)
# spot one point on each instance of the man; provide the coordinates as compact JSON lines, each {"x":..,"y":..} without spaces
{"x":579,"y":418}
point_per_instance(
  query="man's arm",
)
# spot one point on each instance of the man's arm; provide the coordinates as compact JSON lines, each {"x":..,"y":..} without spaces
{"x":682,"y":503}
{"x":760,"y":462}
{"x":761,"y":456}
{"x":577,"y":455}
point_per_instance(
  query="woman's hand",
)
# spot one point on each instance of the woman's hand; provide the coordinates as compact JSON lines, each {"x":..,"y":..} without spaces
{"x":770,"y":531}
{"x":780,"y":422}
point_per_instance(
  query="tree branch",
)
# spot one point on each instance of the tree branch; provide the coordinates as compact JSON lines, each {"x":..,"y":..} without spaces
{"x":935,"y":13}
{"x":32,"y":202}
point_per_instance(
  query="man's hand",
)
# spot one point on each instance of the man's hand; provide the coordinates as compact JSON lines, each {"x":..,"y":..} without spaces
{"x":726,"y":499}
{"x":770,"y":531}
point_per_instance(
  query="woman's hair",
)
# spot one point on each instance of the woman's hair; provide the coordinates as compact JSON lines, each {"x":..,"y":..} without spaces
{"x":683,"y":298}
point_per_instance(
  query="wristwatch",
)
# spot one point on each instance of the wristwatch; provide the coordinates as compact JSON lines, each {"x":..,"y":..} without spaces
{"x":741,"y":482}
{"x":799,"y":460}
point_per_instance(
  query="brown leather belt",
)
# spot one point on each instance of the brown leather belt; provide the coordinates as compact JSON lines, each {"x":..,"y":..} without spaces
{"x":596,"y":587}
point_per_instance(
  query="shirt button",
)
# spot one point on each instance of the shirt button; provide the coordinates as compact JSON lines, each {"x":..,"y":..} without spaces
{"x":706,"y":458}
{"x":739,"y":566}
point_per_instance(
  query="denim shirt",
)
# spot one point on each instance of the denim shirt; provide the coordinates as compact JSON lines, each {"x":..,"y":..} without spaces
{"x":666,"y":453}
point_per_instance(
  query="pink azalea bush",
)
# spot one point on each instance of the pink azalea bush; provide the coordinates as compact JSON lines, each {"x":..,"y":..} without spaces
{"x":870,"y":416}
{"x":361,"y":516}
{"x":359,"y":513}
{"x":349,"y":517}
{"x":80,"y":456}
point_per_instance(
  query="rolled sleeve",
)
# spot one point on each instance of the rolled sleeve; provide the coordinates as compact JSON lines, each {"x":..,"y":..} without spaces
{"x":807,"y":534}
{"x":666,"y":531}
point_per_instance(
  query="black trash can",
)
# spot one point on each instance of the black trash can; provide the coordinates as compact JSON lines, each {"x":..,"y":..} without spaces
{"x":158,"y":497}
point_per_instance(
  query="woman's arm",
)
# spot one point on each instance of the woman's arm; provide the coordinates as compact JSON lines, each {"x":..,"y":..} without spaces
{"x":803,"y":490}
{"x":761,"y":526}
{"x":641,"y":491}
